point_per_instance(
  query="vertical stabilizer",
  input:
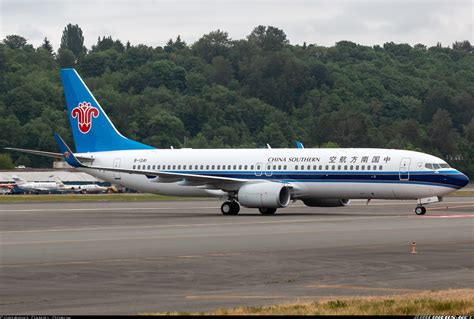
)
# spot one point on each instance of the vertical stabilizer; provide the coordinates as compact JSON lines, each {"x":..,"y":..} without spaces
{"x":91,"y":127}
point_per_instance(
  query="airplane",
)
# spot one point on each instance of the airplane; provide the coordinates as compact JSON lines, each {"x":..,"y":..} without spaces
{"x":266,"y":179}
{"x":81,"y":188}
{"x":37,"y":187}
{"x":85,"y":188}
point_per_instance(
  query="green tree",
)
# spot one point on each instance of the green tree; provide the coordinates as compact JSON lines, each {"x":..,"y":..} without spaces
{"x":268,"y":38}
{"x":73,"y":40}
{"x":66,"y":58}
{"x":221,"y":70}
{"x":442,"y":133}
{"x":15,"y":41}
{"x":6,"y":161}
{"x":212,"y":44}
{"x":46,"y":45}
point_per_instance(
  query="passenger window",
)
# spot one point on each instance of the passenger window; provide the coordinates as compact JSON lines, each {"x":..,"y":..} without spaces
{"x":184,"y":166}
{"x":362,"y":168}
{"x":174,"y":166}
{"x":133,"y":166}
{"x":357,"y":167}
{"x":251,"y":167}
{"x":327,"y":167}
{"x":338,"y":167}
{"x":207,"y":167}
{"x":368,"y":167}
{"x":345,"y":167}
{"x":138,"y":167}
{"x":320,"y":167}
{"x":308,"y":167}
{"x":212,"y":167}
{"x":202,"y":167}
{"x":279,"y":167}
{"x":296,"y":167}
{"x":258,"y":167}
{"x":380,"y":167}
{"x":179,"y":166}
{"x":158,"y":167}
{"x":333,"y":167}
{"x":149,"y":167}
{"x":218,"y":167}
{"x":352,"y":167}
{"x":245,"y":167}
{"x":315,"y":167}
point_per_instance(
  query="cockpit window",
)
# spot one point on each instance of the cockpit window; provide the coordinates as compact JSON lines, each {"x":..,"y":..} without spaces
{"x":436,"y":166}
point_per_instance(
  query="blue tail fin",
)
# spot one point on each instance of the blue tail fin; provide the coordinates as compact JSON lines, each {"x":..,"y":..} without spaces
{"x":91,"y":127}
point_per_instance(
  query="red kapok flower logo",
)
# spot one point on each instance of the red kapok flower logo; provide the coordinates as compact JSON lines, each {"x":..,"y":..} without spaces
{"x":84,"y":112}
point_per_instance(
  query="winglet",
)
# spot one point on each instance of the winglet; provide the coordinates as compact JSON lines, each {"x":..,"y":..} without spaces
{"x":299,"y":144}
{"x":67,"y":153}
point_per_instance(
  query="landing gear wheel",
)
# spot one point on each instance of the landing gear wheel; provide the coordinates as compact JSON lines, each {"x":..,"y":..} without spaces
{"x":420,"y":210}
{"x":267,"y":211}
{"x":230,"y":208}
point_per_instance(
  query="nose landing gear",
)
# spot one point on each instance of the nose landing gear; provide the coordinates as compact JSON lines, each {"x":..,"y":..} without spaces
{"x":420,"y":210}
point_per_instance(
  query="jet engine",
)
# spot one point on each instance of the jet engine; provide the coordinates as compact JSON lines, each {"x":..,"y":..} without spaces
{"x":318,"y":202}
{"x":264,"y":195}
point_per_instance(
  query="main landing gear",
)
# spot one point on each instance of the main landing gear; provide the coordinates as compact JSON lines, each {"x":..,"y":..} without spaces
{"x":230,"y":208}
{"x":267,"y":211}
{"x":420,"y":210}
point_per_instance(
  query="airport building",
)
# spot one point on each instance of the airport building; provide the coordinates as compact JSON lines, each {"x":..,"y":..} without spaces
{"x":48,"y":175}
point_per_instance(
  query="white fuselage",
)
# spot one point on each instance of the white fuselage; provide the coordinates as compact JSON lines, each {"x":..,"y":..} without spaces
{"x":38,"y":186}
{"x":86,"y":188}
{"x":313,"y":173}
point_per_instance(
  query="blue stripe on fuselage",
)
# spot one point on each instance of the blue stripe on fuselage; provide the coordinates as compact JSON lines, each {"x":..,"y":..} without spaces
{"x":446,"y":179}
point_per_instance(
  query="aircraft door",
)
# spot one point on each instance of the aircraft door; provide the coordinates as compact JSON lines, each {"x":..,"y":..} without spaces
{"x":117,"y":165}
{"x":258,"y":169}
{"x":405,"y":169}
{"x":268,"y":169}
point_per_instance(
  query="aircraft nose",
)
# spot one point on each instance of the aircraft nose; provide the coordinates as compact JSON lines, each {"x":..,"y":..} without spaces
{"x":463,"y":179}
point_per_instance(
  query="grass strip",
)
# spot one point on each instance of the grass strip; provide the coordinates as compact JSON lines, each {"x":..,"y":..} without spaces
{"x":446,"y":302}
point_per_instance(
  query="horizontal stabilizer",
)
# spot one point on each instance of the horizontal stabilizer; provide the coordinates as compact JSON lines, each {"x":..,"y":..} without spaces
{"x":44,"y":153}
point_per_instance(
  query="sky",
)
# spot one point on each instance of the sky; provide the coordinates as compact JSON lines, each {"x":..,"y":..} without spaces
{"x":321,"y":22}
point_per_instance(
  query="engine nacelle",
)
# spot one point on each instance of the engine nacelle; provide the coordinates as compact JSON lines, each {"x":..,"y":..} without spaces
{"x":317,"y":202}
{"x":267,"y":195}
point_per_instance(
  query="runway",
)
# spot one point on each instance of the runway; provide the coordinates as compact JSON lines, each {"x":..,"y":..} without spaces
{"x":141,"y":257}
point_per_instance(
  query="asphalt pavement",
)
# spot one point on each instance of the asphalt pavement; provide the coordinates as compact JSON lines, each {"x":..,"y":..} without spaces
{"x":141,"y":257}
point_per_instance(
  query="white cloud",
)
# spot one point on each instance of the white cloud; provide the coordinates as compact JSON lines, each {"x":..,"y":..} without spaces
{"x":323,"y":22}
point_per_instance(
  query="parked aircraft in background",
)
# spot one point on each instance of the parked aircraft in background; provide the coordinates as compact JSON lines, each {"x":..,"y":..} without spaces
{"x":37,"y":187}
{"x":266,"y":179}
{"x":83,"y":188}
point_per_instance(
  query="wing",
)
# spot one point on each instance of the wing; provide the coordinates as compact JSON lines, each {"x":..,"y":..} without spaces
{"x":204,"y":181}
